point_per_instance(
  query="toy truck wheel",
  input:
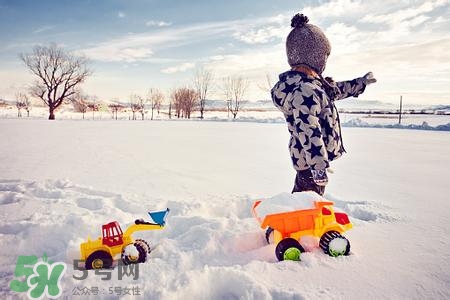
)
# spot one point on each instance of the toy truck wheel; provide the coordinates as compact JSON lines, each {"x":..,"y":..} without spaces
{"x":269,"y":235}
{"x":99,"y":260}
{"x":134,"y":253}
{"x":334,"y":244}
{"x":145,"y":244}
{"x":288,"y":249}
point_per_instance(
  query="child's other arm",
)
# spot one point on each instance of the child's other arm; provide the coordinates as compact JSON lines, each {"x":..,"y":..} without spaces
{"x":355,"y":87}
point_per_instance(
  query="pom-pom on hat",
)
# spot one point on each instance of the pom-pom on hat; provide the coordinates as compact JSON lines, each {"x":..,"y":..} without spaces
{"x":307,"y":45}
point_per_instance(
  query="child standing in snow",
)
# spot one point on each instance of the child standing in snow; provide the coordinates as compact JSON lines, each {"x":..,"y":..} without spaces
{"x":307,"y":102}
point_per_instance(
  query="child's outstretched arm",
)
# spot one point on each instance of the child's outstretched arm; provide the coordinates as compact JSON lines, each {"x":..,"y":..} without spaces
{"x":355,"y":87}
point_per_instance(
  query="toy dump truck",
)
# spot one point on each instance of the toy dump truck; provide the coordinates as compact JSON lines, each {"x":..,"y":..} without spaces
{"x":321,"y":221}
{"x":100,"y":253}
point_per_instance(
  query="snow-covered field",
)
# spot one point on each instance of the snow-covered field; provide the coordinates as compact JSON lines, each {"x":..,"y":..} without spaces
{"x":61,"y":180}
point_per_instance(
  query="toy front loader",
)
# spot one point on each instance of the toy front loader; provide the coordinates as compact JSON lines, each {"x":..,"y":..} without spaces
{"x":100,"y":253}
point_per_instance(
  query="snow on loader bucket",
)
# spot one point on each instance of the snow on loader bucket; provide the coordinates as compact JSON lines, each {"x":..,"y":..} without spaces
{"x":321,"y":221}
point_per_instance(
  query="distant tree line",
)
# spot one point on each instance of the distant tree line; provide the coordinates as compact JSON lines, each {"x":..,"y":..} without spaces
{"x":59,"y":75}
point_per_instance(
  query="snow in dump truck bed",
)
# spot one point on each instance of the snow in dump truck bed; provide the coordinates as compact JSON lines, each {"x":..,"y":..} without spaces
{"x":286,"y":202}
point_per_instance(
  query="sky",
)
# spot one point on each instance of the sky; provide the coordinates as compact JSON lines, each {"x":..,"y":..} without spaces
{"x":141,"y":44}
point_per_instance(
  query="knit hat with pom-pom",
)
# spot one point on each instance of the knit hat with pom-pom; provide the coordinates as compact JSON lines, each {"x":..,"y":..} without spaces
{"x":307,"y":45}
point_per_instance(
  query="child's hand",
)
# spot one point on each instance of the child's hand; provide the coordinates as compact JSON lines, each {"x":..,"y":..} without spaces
{"x":369,"y":79}
{"x":320,"y":177}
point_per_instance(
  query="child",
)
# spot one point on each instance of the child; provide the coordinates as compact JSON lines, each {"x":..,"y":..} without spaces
{"x":307,"y":102}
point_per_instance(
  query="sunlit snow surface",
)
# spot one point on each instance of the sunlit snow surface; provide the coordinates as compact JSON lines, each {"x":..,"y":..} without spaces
{"x":60,"y":181}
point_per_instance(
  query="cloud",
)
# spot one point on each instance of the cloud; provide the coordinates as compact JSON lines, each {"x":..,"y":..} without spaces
{"x":117,"y":54}
{"x":121,"y":14}
{"x":405,"y":13}
{"x":14,"y":80}
{"x":252,"y":64}
{"x":164,"y":37}
{"x":345,"y":38}
{"x":261,"y":35}
{"x":180,"y":68}
{"x":264,"y":30}
{"x":276,"y":28}
{"x":332,"y":9}
{"x":428,"y":56}
{"x":153,"y":23}
{"x":43,"y":29}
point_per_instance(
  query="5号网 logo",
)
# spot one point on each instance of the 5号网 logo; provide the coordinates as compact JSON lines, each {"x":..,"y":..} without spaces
{"x":42,"y":278}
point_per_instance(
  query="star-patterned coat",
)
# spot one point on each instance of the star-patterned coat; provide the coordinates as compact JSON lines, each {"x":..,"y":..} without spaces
{"x":312,"y":118}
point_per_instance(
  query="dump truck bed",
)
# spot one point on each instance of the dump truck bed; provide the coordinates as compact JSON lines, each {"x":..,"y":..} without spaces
{"x":291,"y":221}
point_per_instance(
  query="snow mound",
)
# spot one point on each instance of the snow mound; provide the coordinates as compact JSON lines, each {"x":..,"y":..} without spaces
{"x":357,"y":122}
{"x":365,"y":211}
{"x":213,"y":243}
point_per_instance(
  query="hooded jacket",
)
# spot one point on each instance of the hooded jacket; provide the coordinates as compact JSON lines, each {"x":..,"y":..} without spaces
{"x":312,"y":118}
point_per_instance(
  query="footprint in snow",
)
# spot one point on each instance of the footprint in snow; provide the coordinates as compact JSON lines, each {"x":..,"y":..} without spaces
{"x":90,"y":203}
{"x":365,"y":210}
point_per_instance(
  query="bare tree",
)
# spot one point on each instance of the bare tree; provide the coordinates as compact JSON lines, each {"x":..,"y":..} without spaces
{"x":22,"y":102}
{"x":142,"y":102}
{"x":190,"y":100}
{"x":82,"y":102}
{"x":79,"y":102}
{"x":227,"y":92}
{"x":28,"y":105}
{"x":156,"y":98}
{"x":185,"y":101}
{"x":234,"y":89}
{"x":170,"y":110}
{"x":202,"y":82}
{"x":115,"y":108}
{"x":267,"y":85}
{"x":58,"y":72}
{"x":93,"y":105}
{"x":137,"y":104}
{"x":177,"y":102}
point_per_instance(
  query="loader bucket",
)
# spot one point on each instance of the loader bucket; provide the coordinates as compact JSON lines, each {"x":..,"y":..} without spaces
{"x":159,"y":217}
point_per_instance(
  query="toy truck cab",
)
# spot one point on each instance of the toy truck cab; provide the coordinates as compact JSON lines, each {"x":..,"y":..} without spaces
{"x":112,"y":234}
{"x":320,"y":221}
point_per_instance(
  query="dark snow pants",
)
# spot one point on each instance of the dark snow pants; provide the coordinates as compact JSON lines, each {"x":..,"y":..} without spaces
{"x":304,"y":182}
